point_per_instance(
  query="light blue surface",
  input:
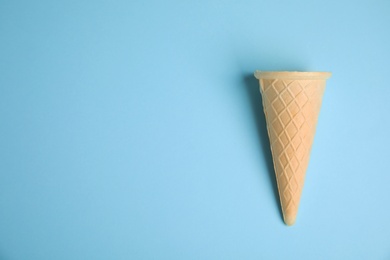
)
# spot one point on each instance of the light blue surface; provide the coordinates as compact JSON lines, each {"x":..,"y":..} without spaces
{"x":135,"y":130}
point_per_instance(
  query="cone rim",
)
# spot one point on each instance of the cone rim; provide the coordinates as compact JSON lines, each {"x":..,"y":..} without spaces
{"x":302,"y":75}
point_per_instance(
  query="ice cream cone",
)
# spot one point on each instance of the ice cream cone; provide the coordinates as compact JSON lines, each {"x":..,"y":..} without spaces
{"x":292,"y":102}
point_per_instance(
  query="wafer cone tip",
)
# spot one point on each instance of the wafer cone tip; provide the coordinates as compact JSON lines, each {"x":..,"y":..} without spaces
{"x":289,"y":220}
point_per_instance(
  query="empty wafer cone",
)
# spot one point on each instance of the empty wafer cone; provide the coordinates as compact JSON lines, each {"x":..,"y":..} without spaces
{"x":291,"y":102}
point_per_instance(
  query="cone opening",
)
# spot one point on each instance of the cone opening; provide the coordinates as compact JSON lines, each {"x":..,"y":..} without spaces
{"x":292,"y":75}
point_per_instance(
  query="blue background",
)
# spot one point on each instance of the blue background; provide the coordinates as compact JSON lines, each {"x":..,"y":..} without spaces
{"x":134,"y":130}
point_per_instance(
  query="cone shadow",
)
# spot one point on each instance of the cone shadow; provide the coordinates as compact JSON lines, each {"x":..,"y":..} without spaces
{"x":252,"y":89}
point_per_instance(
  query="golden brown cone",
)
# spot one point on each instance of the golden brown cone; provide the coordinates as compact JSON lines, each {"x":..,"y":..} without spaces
{"x":292,"y":102}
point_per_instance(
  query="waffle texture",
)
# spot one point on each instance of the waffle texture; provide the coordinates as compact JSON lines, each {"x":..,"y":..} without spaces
{"x":291,"y":104}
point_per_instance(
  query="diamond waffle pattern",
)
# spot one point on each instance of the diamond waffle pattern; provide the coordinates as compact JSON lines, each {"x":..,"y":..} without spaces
{"x":291,"y":108}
